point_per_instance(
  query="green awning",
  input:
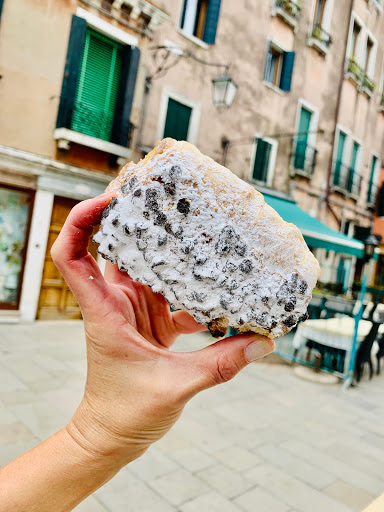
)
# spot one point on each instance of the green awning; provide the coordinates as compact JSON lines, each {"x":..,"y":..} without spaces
{"x":315,"y":233}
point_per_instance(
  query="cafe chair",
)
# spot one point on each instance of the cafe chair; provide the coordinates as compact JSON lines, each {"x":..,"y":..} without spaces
{"x":365,"y":349}
{"x":380,"y":353}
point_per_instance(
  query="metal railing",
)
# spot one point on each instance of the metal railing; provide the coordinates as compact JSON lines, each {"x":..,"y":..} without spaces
{"x":289,"y":7}
{"x":347,"y":179}
{"x":321,"y":35}
{"x":304,"y":158}
{"x":372,"y":194}
{"x":89,"y":119}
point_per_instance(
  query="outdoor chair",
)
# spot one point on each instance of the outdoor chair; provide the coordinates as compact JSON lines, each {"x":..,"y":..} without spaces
{"x":364,"y":352}
{"x":380,"y":353}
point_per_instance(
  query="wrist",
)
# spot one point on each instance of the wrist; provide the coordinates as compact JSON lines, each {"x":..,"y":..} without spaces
{"x":99,"y":441}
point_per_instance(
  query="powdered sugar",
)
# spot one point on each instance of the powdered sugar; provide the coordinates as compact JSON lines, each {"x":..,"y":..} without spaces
{"x":193,"y":231}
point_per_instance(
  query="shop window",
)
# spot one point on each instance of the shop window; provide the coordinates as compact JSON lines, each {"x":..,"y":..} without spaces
{"x":15,"y":210}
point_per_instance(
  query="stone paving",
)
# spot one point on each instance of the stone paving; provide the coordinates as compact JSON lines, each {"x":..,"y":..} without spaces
{"x":265,"y":442}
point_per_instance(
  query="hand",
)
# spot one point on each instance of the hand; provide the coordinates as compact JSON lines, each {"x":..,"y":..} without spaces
{"x":136,"y":388}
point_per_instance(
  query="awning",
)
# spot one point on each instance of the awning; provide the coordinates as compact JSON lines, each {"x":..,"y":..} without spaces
{"x":315,"y":233}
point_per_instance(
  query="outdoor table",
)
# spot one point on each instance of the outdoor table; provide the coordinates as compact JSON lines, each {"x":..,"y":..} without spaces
{"x":333,"y":332}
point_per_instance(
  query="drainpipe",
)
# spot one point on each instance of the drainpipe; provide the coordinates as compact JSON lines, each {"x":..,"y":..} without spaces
{"x":337,"y":112}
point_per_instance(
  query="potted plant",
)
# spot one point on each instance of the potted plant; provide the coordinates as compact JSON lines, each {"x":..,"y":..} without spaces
{"x":354,"y":68}
{"x":316,"y":33}
{"x":368,"y":83}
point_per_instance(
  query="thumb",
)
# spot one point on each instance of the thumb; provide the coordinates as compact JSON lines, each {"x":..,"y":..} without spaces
{"x":221,"y":361}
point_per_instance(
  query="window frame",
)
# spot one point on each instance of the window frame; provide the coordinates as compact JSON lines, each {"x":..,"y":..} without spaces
{"x":355,"y":19}
{"x":271,"y":42}
{"x":194,"y":122}
{"x":272,"y":160}
{"x":369,"y":67}
{"x":376,"y":174}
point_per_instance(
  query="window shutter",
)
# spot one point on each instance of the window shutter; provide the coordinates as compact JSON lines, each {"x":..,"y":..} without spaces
{"x":1,"y":7}
{"x":177,"y":120}
{"x":287,"y":71}
{"x":263,"y":153}
{"x":211,"y":21}
{"x":71,"y":71}
{"x":96,"y":94}
{"x":183,"y":14}
{"x":380,"y":204}
{"x":122,"y":123}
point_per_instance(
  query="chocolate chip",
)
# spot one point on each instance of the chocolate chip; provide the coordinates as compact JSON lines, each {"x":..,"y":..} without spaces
{"x":108,"y":208}
{"x":227,"y":240}
{"x":289,"y":306}
{"x":139,"y":229}
{"x":124,"y":188}
{"x":292,"y":285}
{"x":170,"y":188}
{"x":126,"y":229}
{"x":160,"y":219}
{"x":183,"y":206}
{"x":201,"y":258}
{"x":262,"y":319}
{"x":221,"y":279}
{"x":241,"y":248}
{"x":175,"y":171}
{"x":264,"y":300}
{"x":151,"y":195}
{"x":233,"y":285}
{"x":225,"y":300}
{"x":197,"y":296}
{"x":304,"y":317}
{"x":303,"y":285}
{"x":158,"y":262}
{"x":137,"y":192}
{"x":283,"y":291}
{"x":132,"y":182}
{"x":141,"y":244}
{"x":246,"y":266}
{"x":162,"y":240}
{"x":159,"y":179}
{"x":168,"y":227}
{"x":110,"y":247}
{"x":115,"y":222}
{"x":186,"y":246}
{"x":178,"y":231}
{"x":290,"y":321}
{"x":146,"y":214}
{"x":273,"y":324}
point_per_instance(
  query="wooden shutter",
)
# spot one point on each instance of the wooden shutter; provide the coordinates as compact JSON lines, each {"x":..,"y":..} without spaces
{"x":287,"y":71}
{"x":268,"y":63}
{"x":261,"y":165}
{"x":96,"y":94}
{"x":380,"y":203}
{"x":211,"y":21}
{"x":177,"y":120}
{"x":71,"y":71}
{"x":1,"y":7}
{"x":124,"y":100}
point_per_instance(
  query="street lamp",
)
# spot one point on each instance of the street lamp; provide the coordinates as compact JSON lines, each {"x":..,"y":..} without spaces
{"x":224,"y":91}
{"x":370,"y":244}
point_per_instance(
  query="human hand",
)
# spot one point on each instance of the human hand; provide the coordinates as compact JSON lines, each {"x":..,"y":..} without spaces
{"x":136,"y":388}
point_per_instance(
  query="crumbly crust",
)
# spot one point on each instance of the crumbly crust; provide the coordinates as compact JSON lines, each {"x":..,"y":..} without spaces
{"x":191,"y":230}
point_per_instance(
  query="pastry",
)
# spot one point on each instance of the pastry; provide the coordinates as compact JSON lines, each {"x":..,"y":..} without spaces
{"x":193,"y":231}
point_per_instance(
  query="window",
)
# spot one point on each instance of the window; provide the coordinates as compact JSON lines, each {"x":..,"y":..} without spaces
{"x":353,"y":182}
{"x":319,"y":13}
{"x":279,"y":67}
{"x":372,"y":183}
{"x":96,"y":94}
{"x":356,"y":31}
{"x":200,"y":18}
{"x":368,"y":54}
{"x":320,"y":37}
{"x":98,"y":87}
{"x":264,"y":159}
{"x":340,"y":169}
{"x":177,"y":120}
{"x":304,"y":153}
{"x":15,"y":207}
{"x":361,"y":53}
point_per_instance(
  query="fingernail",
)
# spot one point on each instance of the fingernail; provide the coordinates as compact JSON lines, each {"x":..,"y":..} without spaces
{"x":257,"y":350}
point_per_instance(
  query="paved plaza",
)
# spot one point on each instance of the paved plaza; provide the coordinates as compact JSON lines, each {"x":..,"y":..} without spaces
{"x":265,"y":442}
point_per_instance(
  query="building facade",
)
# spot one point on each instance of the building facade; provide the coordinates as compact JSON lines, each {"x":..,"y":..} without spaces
{"x":90,"y":84}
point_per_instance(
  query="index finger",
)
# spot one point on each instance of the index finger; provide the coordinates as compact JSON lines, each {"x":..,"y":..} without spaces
{"x":70,"y":250}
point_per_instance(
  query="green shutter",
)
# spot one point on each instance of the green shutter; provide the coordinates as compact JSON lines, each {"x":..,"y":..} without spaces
{"x":287,"y":71}
{"x":372,"y":177}
{"x":352,"y":169}
{"x":260,"y":167}
{"x":302,"y":138}
{"x":211,"y":21}
{"x":177,"y":120}
{"x":97,"y":87}
{"x":339,"y":158}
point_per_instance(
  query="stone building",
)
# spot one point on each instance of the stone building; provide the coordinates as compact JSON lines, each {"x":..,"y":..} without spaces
{"x":85,"y":88}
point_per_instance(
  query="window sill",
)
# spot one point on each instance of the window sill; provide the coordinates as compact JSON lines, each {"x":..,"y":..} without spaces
{"x":259,"y":183}
{"x":318,"y":46}
{"x":194,"y":39}
{"x":348,"y":195}
{"x":274,"y":88}
{"x":289,"y":20}
{"x":350,"y":76}
{"x":65,"y":136}
{"x":302,"y":173}
{"x":367,"y":91}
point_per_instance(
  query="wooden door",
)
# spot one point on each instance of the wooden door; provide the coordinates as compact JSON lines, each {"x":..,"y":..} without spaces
{"x":56,"y":299}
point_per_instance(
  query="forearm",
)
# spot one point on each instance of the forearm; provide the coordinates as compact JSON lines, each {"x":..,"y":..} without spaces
{"x":55,"y":476}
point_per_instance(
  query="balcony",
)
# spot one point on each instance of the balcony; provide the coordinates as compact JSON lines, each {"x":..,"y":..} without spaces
{"x":86,"y":124}
{"x":320,"y":39}
{"x":354,"y":71}
{"x":346,"y":180}
{"x":288,"y":11}
{"x":372,"y":195}
{"x":303,"y":159}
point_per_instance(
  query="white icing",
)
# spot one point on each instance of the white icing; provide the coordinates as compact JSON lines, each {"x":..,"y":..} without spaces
{"x":201,"y":268}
